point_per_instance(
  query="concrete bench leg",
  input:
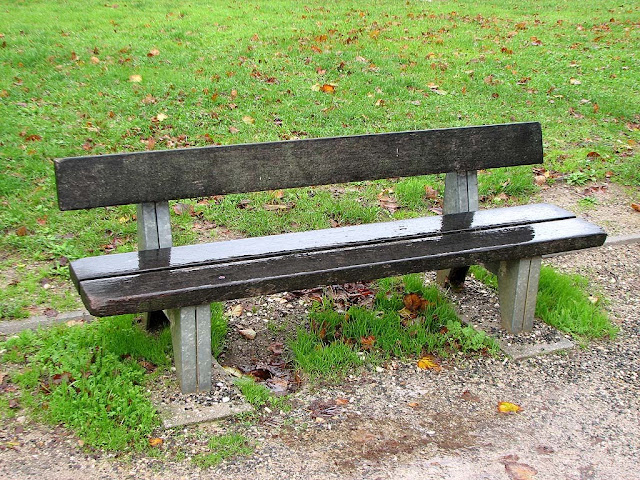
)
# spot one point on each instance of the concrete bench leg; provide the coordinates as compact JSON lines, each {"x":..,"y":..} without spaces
{"x":191,"y":338}
{"x":517,"y":290}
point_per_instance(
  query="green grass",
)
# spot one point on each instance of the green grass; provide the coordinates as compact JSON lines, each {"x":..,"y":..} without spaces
{"x":222,"y":448}
{"x":260,"y":396}
{"x":91,"y":378}
{"x":564,"y":303}
{"x":336,"y":343}
{"x":65,"y":90}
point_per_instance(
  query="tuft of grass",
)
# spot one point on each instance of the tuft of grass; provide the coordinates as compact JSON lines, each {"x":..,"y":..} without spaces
{"x":563,"y":302}
{"x":260,"y":396}
{"x":219,"y":328}
{"x":91,"y":378}
{"x":221,"y":448}
{"x":337,"y":342}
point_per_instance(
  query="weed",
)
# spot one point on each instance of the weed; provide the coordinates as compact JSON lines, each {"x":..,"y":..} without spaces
{"x":219,"y":328}
{"x":588,"y":202}
{"x":338,"y":342}
{"x":260,"y":396}
{"x":91,"y":378}
{"x":223,"y":447}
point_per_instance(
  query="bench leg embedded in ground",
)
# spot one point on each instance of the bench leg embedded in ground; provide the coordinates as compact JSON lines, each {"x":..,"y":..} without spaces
{"x":518,"y":290}
{"x":191,"y":339}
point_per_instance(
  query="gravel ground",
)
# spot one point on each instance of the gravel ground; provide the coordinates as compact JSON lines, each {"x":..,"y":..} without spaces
{"x":579,"y":420}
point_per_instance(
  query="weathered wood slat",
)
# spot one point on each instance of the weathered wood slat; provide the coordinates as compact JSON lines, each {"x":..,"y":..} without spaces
{"x":120,"y":179}
{"x":154,"y":290}
{"x":219,"y":252}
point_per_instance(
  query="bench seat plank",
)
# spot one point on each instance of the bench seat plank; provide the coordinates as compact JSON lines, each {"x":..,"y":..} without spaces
{"x":159,"y":289}
{"x":106,"y":266}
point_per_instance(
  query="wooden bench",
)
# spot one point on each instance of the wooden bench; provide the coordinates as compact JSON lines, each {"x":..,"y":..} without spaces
{"x":183,"y":281}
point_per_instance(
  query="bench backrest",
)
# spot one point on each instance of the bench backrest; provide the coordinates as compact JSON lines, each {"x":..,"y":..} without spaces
{"x":153,"y":176}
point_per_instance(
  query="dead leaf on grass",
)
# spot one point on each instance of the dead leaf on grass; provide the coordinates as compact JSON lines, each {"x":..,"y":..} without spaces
{"x":367,"y":342}
{"x":183,"y":208}
{"x":135,"y":78}
{"x":430,"y":192}
{"x":414,"y":302}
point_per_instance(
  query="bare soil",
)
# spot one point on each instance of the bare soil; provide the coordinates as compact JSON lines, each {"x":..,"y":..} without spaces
{"x":579,"y":419}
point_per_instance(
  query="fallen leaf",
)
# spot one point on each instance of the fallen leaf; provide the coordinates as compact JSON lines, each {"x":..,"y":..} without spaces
{"x":540,"y":180}
{"x":430,"y":192}
{"x":21,"y":231}
{"x":182,"y":208}
{"x":520,"y":471}
{"x":13,"y":403}
{"x":233,"y":371}
{"x":596,"y":108}
{"x":233,"y":130}
{"x":593,"y":155}
{"x":636,"y":206}
{"x":508,"y":407}
{"x":236,"y":311}
{"x":429,"y":363}
{"x":414,"y":302}
{"x":135,"y":78}
{"x":162,"y":117}
{"x":342,"y":401}
{"x":248,"y":333}
{"x":367,"y":342}
{"x":148,"y":366}
{"x":574,"y":81}
{"x":248,"y":120}
{"x":388,"y":203}
{"x":413,"y":404}
{"x":153,"y":52}
{"x":155,"y":441}
{"x":94,"y":60}
{"x":278,"y":206}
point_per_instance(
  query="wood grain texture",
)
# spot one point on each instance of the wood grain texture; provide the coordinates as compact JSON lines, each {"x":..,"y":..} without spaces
{"x":274,"y":245}
{"x":119,"y":179}
{"x":158,"y":289}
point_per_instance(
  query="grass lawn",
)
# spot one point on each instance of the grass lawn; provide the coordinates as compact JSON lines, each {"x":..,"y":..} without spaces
{"x":88,"y":77}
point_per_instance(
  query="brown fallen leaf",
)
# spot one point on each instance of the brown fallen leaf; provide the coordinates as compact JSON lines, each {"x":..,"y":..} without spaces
{"x":183,"y":208}
{"x":233,"y":129}
{"x":153,"y":52}
{"x":13,"y":403}
{"x":248,"y":333}
{"x":429,"y":363}
{"x":540,"y":180}
{"x":21,"y":231}
{"x":520,"y":471}
{"x":413,"y":404}
{"x":388,"y":203}
{"x":430,"y":192}
{"x":636,"y":206}
{"x":342,"y":401}
{"x":236,"y":311}
{"x":367,"y":342}
{"x":155,"y":441}
{"x":508,"y":407}
{"x":276,"y":348}
{"x":414,"y":302}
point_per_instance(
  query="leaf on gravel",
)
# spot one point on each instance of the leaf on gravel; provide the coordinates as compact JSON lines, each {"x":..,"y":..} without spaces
{"x":236,"y":311}
{"x":520,"y":471}
{"x":429,"y":363}
{"x":233,"y":371}
{"x":508,"y":407}
{"x":248,"y":333}
{"x":155,"y":441}
{"x":413,"y":404}
{"x":636,"y":206}
{"x":342,"y":401}
{"x":276,"y":348}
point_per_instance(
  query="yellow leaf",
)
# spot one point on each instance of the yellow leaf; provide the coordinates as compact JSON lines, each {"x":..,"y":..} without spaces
{"x":153,"y":52}
{"x":236,"y":311}
{"x":135,"y":78}
{"x":249,"y":120}
{"x":574,"y":81}
{"x":429,"y":363}
{"x":94,"y":60}
{"x":328,"y":88}
{"x":155,"y":441}
{"x":161,"y":117}
{"x":508,"y":407}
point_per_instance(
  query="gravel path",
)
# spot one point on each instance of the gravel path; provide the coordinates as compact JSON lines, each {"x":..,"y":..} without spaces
{"x":580,"y":417}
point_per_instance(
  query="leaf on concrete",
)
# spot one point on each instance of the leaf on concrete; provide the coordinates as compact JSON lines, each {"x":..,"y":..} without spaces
{"x":508,"y":407}
{"x":520,"y":471}
{"x":429,"y":363}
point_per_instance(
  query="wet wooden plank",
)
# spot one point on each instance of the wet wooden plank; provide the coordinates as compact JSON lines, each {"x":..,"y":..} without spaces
{"x":248,"y":248}
{"x":119,"y":179}
{"x":157,"y":289}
